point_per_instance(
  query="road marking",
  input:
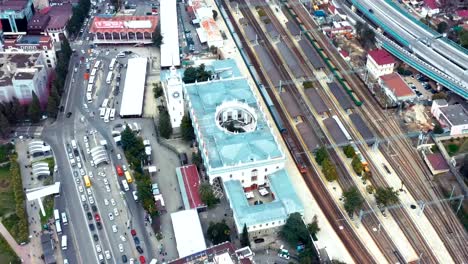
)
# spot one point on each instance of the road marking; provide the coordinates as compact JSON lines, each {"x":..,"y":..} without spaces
{"x":69,"y":89}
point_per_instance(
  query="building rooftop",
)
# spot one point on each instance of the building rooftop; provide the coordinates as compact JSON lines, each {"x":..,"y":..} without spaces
{"x":24,"y":75}
{"x":59,"y":16}
{"x":437,"y":161}
{"x":211,"y":29}
{"x":134,"y":88}
{"x":381,"y":56}
{"x":189,"y":180}
{"x":213,"y":103}
{"x":397,"y":85}
{"x":462,"y":13}
{"x":123,"y":24}
{"x":456,"y":114}
{"x":170,"y":32}
{"x":38,"y":21}
{"x":14,"y":5}
{"x":214,"y":253}
{"x":11,"y":62}
{"x":188,"y":232}
{"x":286,"y":201}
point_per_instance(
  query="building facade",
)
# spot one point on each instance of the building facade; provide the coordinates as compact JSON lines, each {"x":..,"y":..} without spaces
{"x":32,"y":44}
{"x":174,"y":97}
{"x":379,"y":63}
{"x":396,"y":89}
{"x":451,"y":117}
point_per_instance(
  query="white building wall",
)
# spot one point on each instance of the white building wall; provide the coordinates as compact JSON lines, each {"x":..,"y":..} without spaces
{"x":377,"y":70}
{"x":174,"y":98}
{"x":48,"y":55}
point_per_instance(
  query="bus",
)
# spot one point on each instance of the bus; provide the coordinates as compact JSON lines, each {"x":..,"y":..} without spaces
{"x":91,"y":80}
{"x":112,"y":114}
{"x":102,"y":112}
{"x":58,"y":227}
{"x":109,"y":78}
{"x":96,"y":64}
{"x":56,"y":215}
{"x":112,"y":64}
{"x":107,"y":115}
{"x":90,"y":88}
{"x":128,"y":177}
{"x":87,"y":181}
{"x":104,"y":103}
{"x":125,"y":185}
{"x":64,"y":242}
{"x":64,"y":218}
{"x":93,"y":72}
{"x":89,"y":98}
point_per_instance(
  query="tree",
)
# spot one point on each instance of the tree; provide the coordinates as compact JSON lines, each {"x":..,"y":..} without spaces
{"x":157,"y":90}
{"x":352,"y":200}
{"x":386,"y":196}
{"x":66,"y":49}
{"x":357,"y":165}
{"x":321,"y":155}
{"x":193,"y":74}
{"x":438,"y":129}
{"x":214,"y":49}
{"x":442,"y":27}
{"x":439,"y":95}
{"x":4,"y":126}
{"x":157,"y":37}
{"x":349,"y":151}
{"x":244,"y":239}
{"x":313,"y":227}
{"x":463,"y":37}
{"x":295,"y":231}
{"x":218,"y":232}
{"x":207,"y":195}
{"x":215,"y":14}
{"x":52,"y":109}
{"x":464,"y":167}
{"x":329,"y":170}
{"x":196,"y":159}
{"x":186,"y":128}
{"x":165,"y":127}
{"x":34,"y":110}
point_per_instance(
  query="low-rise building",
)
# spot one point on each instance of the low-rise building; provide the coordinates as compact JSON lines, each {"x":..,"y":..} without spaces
{"x":21,"y":74}
{"x":451,"y":117}
{"x":396,"y":89}
{"x":224,"y":253}
{"x":379,"y":63}
{"x":436,"y":163}
{"x":51,"y":21}
{"x":188,"y":232}
{"x":32,"y":44}
{"x":208,"y":32}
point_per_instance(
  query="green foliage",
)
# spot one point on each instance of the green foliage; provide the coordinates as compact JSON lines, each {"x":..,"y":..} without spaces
{"x":260,"y":11}
{"x":463,"y":37}
{"x":34,"y":110}
{"x":352,"y":200}
{"x":186,"y":128}
{"x":321,"y":155}
{"x":244,"y":239}
{"x":133,"y":147}
{"x":79,"y":13}
{"x":214,"y":49}
{"x":7,"y":254}
{"x":439,"y":95}
{"x":349,"y":151}
{"x":157,"y":90}
{"x":207,"y":195}
{"x":4,"y":126}
{"x":438,"y":129}
{"x":5,"y":151}
{"x":165,"y":127}
{"x":386,"y":196}
{"x":365,"y":35}
{"x":218,"y":232}
{"x":313,"y":227}
{"x":196,"y":159}
{"x":307,"y":84}
{"x":370,"y":189}
{"x":442,"y":27}
{"x":157,"y":37}
{"x":357,"y":165}
{"x":452,"y":149}
{"x":199,"y":74}
{"x":295,"y":232}
{"x":464,"y":167}
{"x":329,"y":170}
{"x":20,"y":230}
{"x":48,"y":203}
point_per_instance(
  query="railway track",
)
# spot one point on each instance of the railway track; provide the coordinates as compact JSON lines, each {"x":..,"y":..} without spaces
{"x":455,"y":238}
{"x":355,"y":247}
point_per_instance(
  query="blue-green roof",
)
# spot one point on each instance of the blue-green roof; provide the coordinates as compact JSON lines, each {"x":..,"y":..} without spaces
{"x":223,"y":148}
{"x":286,"y":202}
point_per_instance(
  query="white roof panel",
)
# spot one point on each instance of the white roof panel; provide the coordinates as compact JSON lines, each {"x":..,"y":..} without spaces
{"x":134,"y":89}
{"x":170,"y":33}
{"x":188,"y":232}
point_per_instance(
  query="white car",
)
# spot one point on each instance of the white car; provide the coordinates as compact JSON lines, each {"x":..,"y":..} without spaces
{"x":79,"y":165}
{"x":91,"y":200}
{"x":119,"y":156}
{"x":88,"y":151}
{"x":121,"y":249}
{"x":86,"y":144}
{"x":111,"y":216}
{"x":108,"y":188}
{"x":77,"y":180}
{"x":112,"y":201}
{"x":123,"y":238}
{"x":83,"y":198}
{"x":101,"y":257}
{"x":106,"y":182}
{"x":107,"y":253}
{"x":82,"y":172}
{"x":85,"y":139}
{"x":78,"y":159}
{"x":116,"y":212}
{"x":70,"y":155}
{"x":91,"y":175}
{"x":98,"y":248}
{"x":80,"y":188}
{"x":106,"y":202}
{"x":89,"y":191}
{"x":92,"y":162}
{"x":132,"y":261}
{"x":114,"y":228}
{"x":124,"y":167}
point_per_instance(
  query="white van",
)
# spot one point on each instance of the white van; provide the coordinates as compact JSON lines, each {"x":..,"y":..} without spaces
{"x":56,"y":215}
{"x":64,"y":242}
{"x":58,"y":227}
{"x":153,"y":261}
{"x":64,"y":218}
{"x":125,"y":185}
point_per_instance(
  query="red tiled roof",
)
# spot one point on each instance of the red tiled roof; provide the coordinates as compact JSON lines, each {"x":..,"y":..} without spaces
{"x":431,"y":4}
{"x":437,"y":161}
{"x":118,"y":24}
{"x":462,"y":13}
{"x":381,"y":56}
{"x":191,"y":182}
{"x":395,"y":83}
{"x":344,"y":53}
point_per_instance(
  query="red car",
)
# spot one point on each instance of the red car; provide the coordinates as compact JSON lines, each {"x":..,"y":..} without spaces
{"x":133,"y":232}
{"x":142,"y":260}
{"x":120,"y":172}
{"x":97,"y":217}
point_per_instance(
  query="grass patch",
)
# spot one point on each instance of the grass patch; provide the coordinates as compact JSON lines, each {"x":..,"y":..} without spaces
{"x":7,"y":195}
{"x":456,"y":146}
{"x":49,"y":209}
{"x":260,"y":11}
{"x":452,"y":149}
{"x":307,"y":84}
{"x":7,"y":254}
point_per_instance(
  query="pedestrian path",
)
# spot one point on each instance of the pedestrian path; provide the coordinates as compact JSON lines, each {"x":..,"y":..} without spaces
{"x":21,"y":251}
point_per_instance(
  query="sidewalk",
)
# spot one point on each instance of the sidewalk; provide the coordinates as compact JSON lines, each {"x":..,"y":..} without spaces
{"x":21,"y":251}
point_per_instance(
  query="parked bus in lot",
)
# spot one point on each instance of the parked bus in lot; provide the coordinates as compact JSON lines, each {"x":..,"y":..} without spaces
{"x":112,"y":114}
{"x":58,"y":227}
{"x":56,"y":215}
{"x":125,"y":185}
{"x":90,"y":88}
{"x":112,"y":64}
{"x":120,"y":172}
{"x":87,"y":181}
{"x":104,"y":103}
{"x":64,"y":242}
{"x":128,"y":177}
{"x":93,"y":72}
{"x":96,"y":64}
{"x":109,"y":78}
{"x":102,"y":112}
{"x":107,"y":115}
{"x":64,"y":218}
{"x":91,"y":80}
{"x":89,"y":98}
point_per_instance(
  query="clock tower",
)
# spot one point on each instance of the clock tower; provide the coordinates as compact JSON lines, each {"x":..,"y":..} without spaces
{"x":174,"y":98}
